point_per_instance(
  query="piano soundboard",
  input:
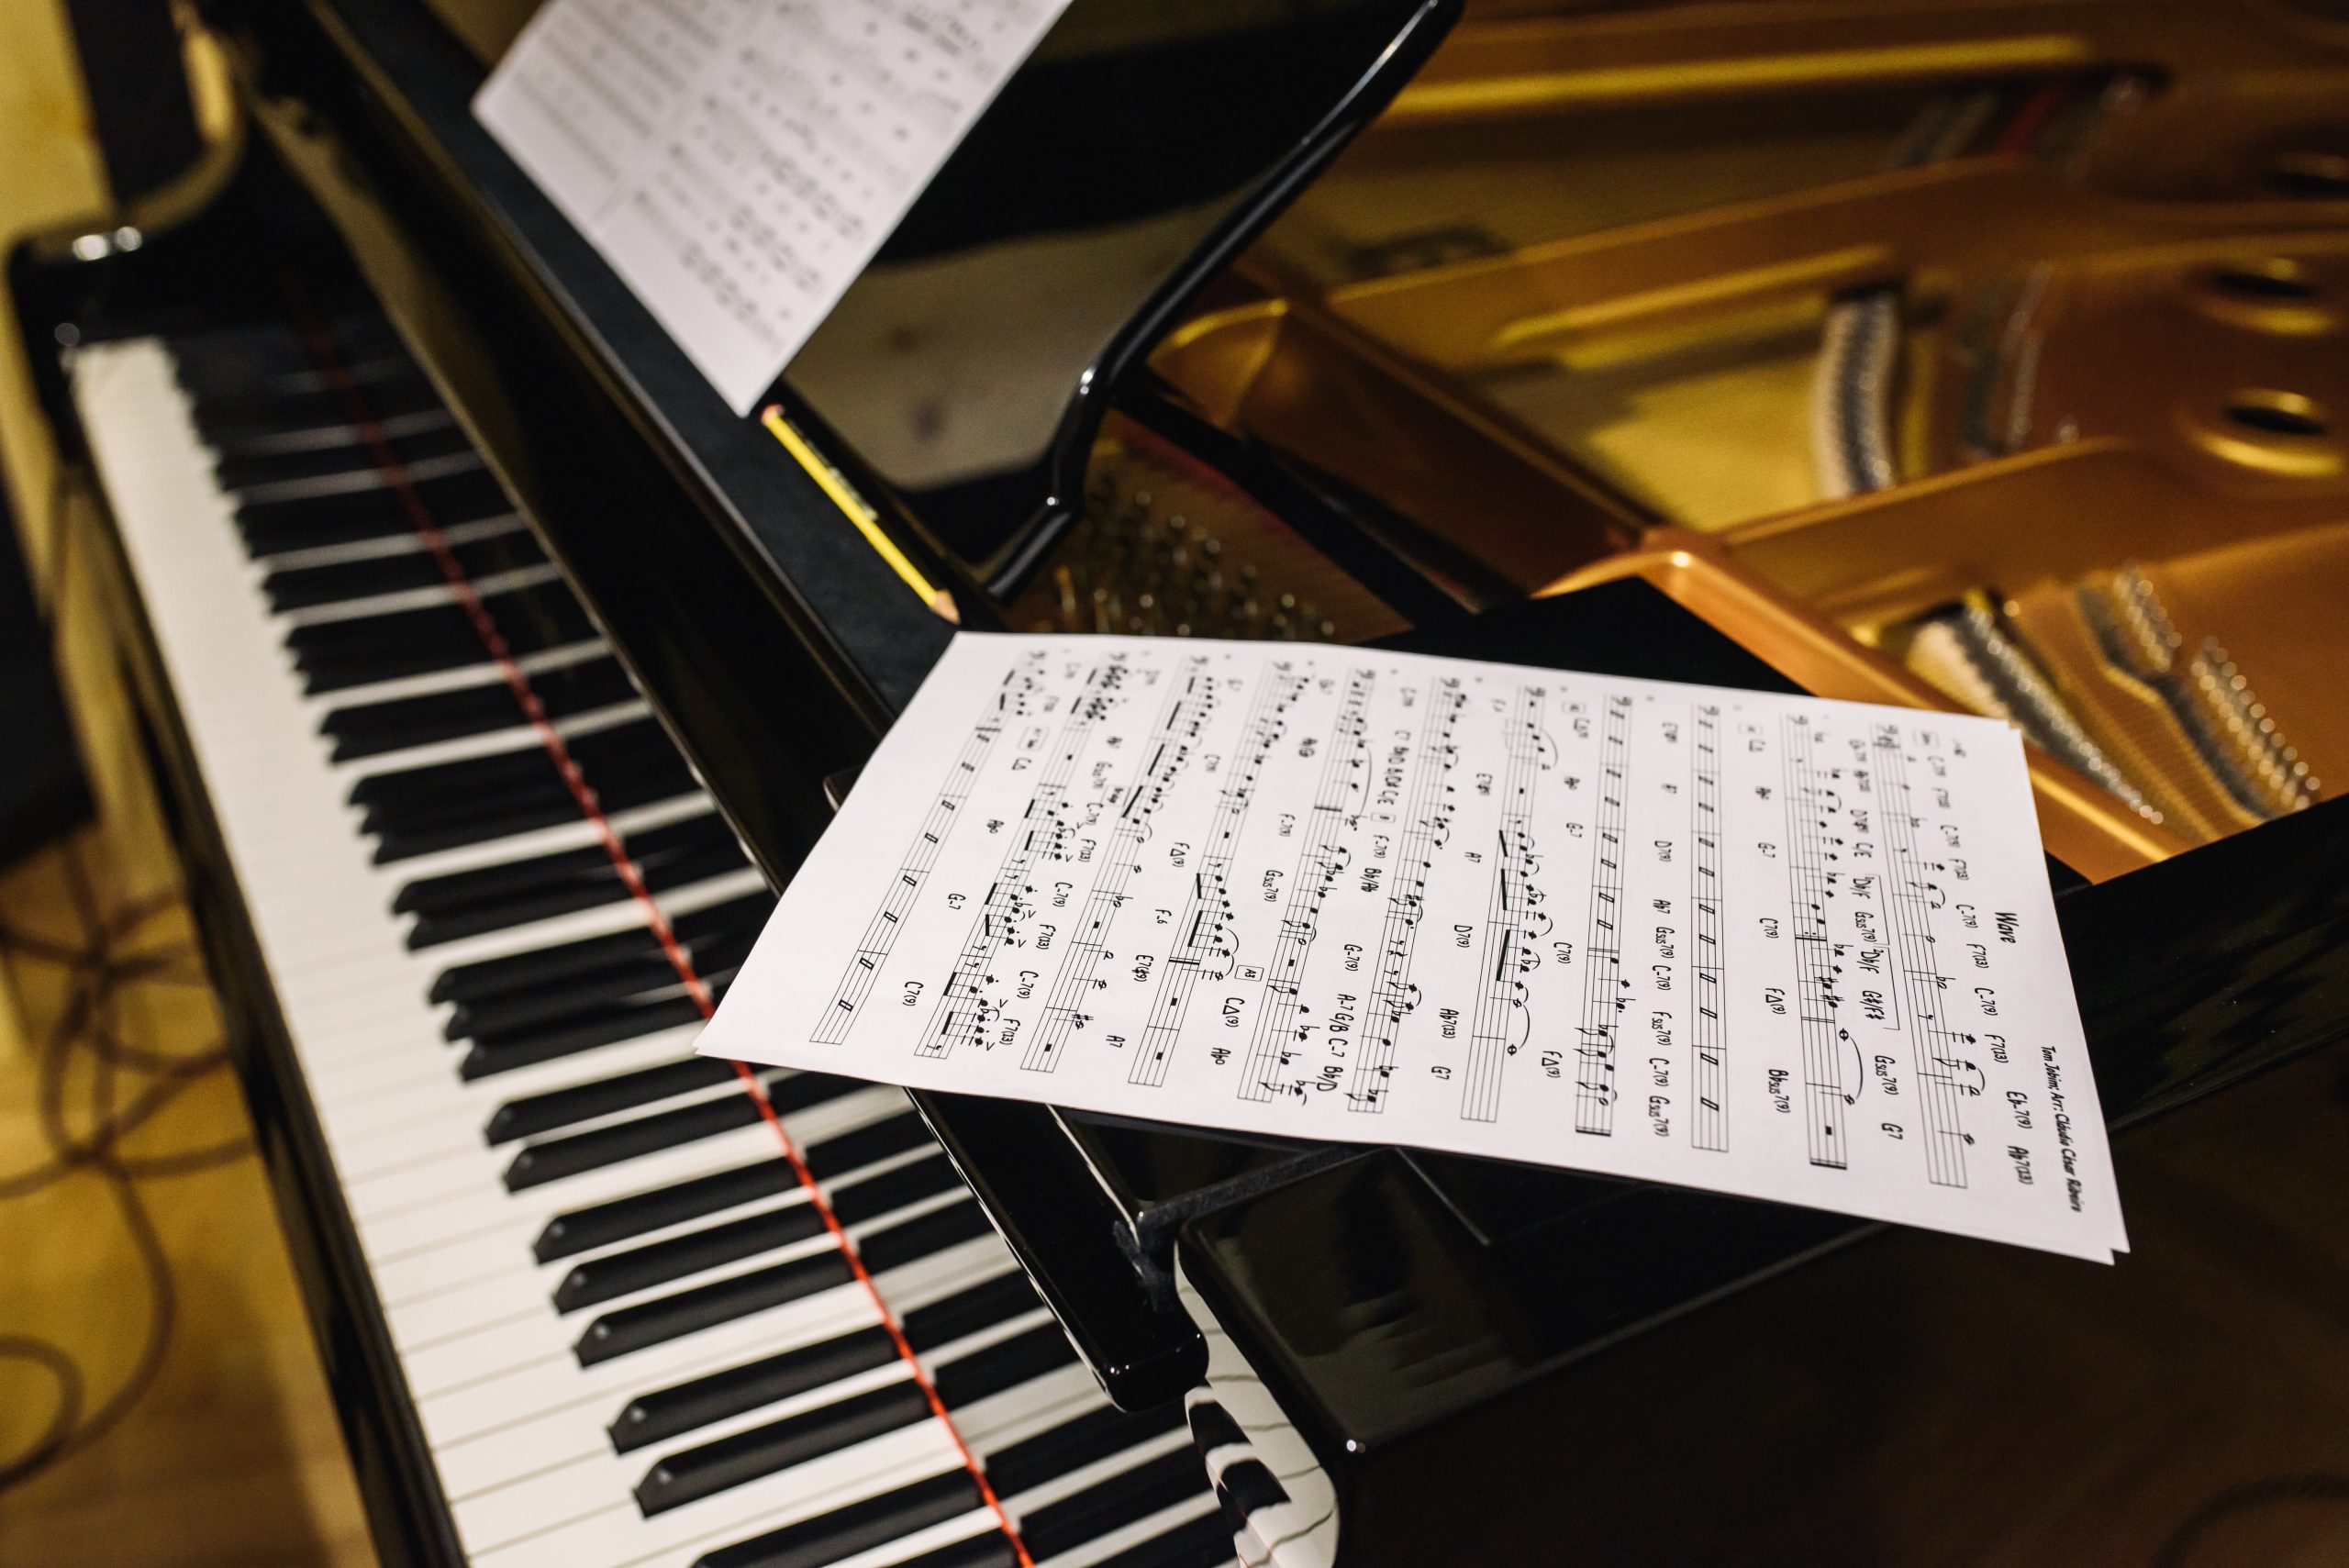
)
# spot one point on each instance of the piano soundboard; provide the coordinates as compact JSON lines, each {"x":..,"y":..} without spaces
{"x":648,"y":1308}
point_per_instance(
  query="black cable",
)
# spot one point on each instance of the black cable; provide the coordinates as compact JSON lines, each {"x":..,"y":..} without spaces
{"x":43,"y":1450}
{"x":162,"y":1311}
{"x":2322,"y":1486}
{"x":97,"y":974}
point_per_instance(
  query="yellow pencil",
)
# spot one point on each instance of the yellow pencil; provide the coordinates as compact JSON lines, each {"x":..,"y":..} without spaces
{"x":940,"y":601}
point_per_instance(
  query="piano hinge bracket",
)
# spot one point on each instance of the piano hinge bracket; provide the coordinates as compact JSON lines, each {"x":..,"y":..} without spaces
{"x":1148,"y":1238}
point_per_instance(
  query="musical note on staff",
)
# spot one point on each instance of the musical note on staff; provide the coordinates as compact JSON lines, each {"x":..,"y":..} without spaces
{"x":1203,"y":929}
{"x":1944,"y":1076}
{"x":1309,"y":893}
{"x":1502,"y":1023}
{"x":1603,"y":999}
{"x":1427,"y":830}
{"x":1319,"y":863}
{"x":1010,"y":705}
{"x":1828,"y":1090}
{"x":963,"y":1006}
{"x":1165,"y":756}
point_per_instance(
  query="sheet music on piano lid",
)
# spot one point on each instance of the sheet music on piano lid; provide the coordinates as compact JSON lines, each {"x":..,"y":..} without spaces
{"x":738,"y":161}
{"x":1770,"y":945}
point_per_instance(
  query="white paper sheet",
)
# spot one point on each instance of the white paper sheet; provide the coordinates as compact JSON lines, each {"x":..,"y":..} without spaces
{"x":1776,"y":946}
{"x":738,"y":161}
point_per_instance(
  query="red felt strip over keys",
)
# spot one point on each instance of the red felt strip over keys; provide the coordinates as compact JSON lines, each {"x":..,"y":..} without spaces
{"x":371,"y":435}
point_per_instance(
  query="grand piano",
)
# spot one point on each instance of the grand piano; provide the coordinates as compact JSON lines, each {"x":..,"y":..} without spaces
{"x":1970,"y":354}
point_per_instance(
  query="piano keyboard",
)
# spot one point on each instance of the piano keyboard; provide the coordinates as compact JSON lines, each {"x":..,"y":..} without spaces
{"x":632,"y":1332}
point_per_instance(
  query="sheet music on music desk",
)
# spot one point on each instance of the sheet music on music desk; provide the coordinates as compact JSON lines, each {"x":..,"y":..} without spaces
{"x":1770,"y":945}
{"x":738,"y":161}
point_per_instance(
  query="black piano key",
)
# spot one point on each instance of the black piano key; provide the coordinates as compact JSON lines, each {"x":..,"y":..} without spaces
{"x":249,"y":408}
{"x":275,"y":384}
{"x":696,"y":1473}
{"x":372,"y":729}
{"x":617,"y":789}
{"x":336,"y":655}
{"x":933,"y":1232}
{"x":404,"y":404}
{"x":479,"y":783}
{"x":555,"y":1157}
{"x":982,"y":1305}
{"x":705,"y":1306}
{"x":670,"y":1412}
{"x":257,"y":419}
{"x":458,"y":891}
{"x":666,"y":1413}
{"x":509,"y":822}
{"x":722,"y":1301}
{"x":245,"y":471}
{"x":600,"y":1225}
{"x":480,"y":804}
{"x":1202,"y":1542}
{"x":867,"y":1145}
{"x":340,"y":582}
{"x":860,"y":1527}
{"x":641,"y":1268}
{"x":828,"y":1538}
{"x":524,"y":818}
{"x":1112,"y":1504}
{"x":1004,"y":1364}
{"x":1212,"y":1426}
{"x":488,"y":885}
{"x":552,"y":1003}
{"x":616,"y":1274}
{"x":1077,"y":1442}
{"x":559,"y":1156}
{"x":1250,"y":1485}
{"x":477,"y":981}
{"x":249,"y":358}
{"x":1133,"y":1494}
{"x":593,"y":880}
{"x":421,"y":791}
{"x":619,"y":1219}
{"x":869,"y":1197}
{"x":488,"y":1057}
{"x":533,"y":1115}
{"x":274,"y":528}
